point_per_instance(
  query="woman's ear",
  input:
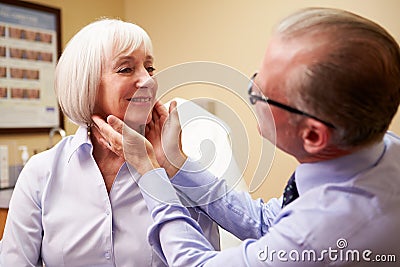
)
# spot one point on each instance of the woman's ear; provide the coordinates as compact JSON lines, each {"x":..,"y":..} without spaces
{"x":315,"y":135}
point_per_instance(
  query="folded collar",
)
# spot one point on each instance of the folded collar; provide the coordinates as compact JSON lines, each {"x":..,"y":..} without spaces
{"x":80,"y":138}
{"x":342,"y":169}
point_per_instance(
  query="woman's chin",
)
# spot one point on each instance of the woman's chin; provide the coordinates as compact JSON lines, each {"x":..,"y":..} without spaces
{"x":136,"y":122}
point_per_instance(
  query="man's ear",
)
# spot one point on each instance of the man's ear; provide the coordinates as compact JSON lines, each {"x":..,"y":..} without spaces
{"x":315,"y":135}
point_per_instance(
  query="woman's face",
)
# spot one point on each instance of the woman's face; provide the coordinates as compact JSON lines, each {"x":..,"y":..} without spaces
{"x":127,"y":89}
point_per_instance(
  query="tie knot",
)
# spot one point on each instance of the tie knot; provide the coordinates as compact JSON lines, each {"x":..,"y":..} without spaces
{"x":290,"y":193}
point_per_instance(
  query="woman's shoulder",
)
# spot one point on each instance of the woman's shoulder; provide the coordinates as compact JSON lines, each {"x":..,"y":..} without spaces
{"x":60,"y":151}
{"x":46,"y":166}
{"x":40,"y":165}
{"x":49,"y":155}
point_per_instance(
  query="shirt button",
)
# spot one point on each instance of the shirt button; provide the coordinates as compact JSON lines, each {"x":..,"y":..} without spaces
{"x":107,"y":212}
{"x":107,"y":255}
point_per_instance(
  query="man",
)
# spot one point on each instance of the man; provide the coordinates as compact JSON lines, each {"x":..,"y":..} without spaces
{"x":332,"y":82}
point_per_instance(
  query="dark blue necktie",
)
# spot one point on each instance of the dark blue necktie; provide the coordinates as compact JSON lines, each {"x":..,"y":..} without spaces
{"x":290,"y":192}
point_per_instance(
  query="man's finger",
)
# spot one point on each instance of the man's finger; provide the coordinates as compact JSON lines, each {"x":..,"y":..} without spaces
{"x":104,"y":128}
{"x":160,"y":109}
{"x":115,"y":123}
{"x":173,"y":112}
{"x":106,"y":131}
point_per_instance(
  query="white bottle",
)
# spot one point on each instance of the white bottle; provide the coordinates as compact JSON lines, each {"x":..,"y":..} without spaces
{"x":24,"y":154}
{"x":4,"y":175}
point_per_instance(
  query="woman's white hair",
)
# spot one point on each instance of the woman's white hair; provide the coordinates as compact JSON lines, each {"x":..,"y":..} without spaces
{"x":79,"y":69}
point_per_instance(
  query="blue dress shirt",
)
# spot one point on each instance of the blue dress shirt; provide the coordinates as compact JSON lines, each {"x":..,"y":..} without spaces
{"x":348,"y":214}
{"x":61,"y":213}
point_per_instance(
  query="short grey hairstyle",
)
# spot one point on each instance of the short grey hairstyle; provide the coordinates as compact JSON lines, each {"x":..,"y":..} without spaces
{"x":79,"y":69}
{"x":355,"y":82}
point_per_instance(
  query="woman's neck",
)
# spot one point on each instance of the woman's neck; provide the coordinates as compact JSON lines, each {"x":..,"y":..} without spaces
{"x":108,"y":162}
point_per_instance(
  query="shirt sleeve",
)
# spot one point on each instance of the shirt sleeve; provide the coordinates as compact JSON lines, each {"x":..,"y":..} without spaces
{"x":235,"y":211}
{"x":22,"y":236}
{"x":179,"y":241}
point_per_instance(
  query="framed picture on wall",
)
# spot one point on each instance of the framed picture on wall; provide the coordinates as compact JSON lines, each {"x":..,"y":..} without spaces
{"x":30,"y":45}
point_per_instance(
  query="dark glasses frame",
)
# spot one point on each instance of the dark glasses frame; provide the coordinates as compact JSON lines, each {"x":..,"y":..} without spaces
{"x":254,"y":98}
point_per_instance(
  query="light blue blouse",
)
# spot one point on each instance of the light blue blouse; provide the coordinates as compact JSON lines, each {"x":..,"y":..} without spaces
{"x":60,"y":212}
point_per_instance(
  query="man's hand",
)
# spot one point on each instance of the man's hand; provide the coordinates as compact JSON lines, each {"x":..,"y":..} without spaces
{"x":164,"y":133}
{"x":126,"y":143}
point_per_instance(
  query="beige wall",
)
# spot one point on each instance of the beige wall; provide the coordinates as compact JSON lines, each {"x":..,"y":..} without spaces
{"x":230,"y":32}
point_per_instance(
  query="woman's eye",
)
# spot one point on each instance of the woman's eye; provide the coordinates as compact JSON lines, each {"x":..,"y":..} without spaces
{"x":125,"y":70}
{"x":150,"y":70}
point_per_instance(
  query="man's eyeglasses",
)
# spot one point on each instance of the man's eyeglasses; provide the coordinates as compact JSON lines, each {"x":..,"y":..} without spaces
{"x":253,"y":97}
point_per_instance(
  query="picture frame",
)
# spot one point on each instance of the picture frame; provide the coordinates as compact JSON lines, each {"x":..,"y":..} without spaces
{"x":30,"y":45}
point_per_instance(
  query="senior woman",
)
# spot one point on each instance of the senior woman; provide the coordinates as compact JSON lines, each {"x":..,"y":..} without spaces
{"x":77,"y":204}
